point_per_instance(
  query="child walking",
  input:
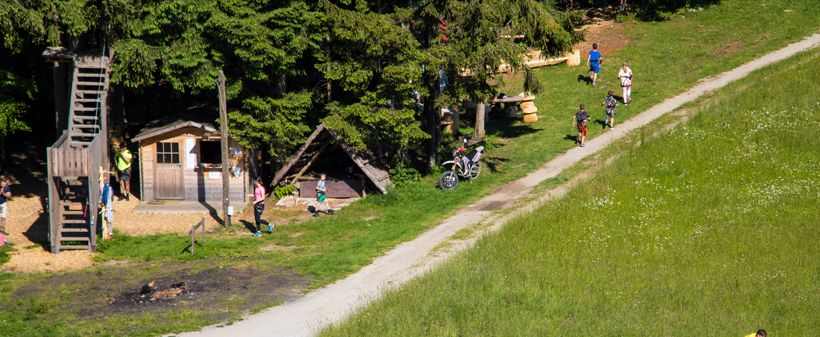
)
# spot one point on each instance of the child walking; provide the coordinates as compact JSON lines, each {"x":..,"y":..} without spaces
{"x":594,"y":62}
{"x":580,"y":120}
{"x":321,"y":195}
{"x":610,"y":103}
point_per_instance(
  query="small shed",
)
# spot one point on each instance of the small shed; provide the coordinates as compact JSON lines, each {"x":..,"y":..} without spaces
{"x":349,"y":171}
{"x":180,"y":158}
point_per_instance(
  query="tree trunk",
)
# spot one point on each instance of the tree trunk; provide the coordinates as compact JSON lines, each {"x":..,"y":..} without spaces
{"x":433,"y":114}
{"x":478,"y":132}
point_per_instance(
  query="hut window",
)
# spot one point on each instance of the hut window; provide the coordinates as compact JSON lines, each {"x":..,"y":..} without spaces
{"x":210,"y":152}
{"x":167,"y":153}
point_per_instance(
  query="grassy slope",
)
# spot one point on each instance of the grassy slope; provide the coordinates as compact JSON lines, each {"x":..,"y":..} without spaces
{"x":333,"y":247}
{"x":709,"y":228}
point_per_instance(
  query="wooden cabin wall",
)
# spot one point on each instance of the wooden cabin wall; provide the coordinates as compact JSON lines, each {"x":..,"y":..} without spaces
{"x":197,"y":184}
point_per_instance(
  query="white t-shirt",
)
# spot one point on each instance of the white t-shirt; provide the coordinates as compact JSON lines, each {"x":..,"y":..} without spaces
{"x":625,"y":76}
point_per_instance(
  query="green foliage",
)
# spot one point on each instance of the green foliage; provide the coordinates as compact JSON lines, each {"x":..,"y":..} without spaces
{"x":273,"y":121}
{"x":4,"y":255}
{"x":10,"y":113}
{"x":283,"y":191}
{"x":401,"y":175}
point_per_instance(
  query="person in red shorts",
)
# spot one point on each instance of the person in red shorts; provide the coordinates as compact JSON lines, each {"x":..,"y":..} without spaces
{"x":580,"y":120}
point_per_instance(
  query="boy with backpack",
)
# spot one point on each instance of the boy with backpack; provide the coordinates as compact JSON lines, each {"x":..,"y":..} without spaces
{"x":610,"y":103}
{"x":580,"y":120}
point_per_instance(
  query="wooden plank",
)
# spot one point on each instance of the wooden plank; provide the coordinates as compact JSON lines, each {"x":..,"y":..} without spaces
{"x":296,"y":156}
{"x":310,"y":162}
{"x":341,"y":188}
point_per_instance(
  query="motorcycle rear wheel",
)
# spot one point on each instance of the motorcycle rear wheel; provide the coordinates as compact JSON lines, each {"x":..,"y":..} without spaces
{"x":475,"y":170}
{"x":448,"y":180}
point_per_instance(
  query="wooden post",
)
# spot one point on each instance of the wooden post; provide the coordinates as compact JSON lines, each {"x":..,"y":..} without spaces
{"x":201,"y":223}
{"x":478,"y":132}
{"x":223,"y":130}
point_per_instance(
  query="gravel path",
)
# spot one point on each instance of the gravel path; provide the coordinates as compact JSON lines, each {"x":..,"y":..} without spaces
{"x":333,"y":303}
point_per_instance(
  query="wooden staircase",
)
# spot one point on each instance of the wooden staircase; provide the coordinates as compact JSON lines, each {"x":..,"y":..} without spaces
{"x":73,"y":231}
{"x":76,"y":159}
{"x":88,"y":99}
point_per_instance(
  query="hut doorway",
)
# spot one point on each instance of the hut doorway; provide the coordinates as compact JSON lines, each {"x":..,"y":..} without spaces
{"x":169,"y":182}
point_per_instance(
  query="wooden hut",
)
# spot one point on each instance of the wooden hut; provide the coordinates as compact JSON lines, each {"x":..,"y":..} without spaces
{"x":180,"y":159}
{"x":349,"y":171}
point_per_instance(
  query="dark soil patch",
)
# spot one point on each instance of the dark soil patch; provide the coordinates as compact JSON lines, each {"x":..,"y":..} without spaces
{"x":222,"y":292}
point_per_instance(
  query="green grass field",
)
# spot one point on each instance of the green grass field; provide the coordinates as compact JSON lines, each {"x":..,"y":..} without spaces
{"x":665,"y":63}
{"x":709,"y":229}
{"x":667,"y":57}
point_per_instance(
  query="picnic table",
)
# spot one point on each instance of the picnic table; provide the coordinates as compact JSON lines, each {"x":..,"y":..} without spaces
{"x":510,"y":105}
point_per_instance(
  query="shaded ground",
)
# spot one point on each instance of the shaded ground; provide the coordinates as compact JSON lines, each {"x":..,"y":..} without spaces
{"x":235,"y":287}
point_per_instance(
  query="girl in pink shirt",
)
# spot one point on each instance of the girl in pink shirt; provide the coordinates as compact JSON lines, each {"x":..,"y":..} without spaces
{"x":259,"y":206}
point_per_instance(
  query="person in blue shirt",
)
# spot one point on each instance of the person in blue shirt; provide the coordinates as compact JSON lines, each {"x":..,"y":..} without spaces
{"x":594,"y":62}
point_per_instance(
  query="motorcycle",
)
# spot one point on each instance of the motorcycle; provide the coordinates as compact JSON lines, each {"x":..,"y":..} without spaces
{"x":464,"y":165}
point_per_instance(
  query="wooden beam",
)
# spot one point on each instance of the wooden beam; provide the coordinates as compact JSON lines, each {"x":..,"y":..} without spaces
{"x":304,"y":168}
{"x":223,"y":130}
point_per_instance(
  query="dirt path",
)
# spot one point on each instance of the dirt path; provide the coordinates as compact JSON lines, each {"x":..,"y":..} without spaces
{"x":411,"y":259}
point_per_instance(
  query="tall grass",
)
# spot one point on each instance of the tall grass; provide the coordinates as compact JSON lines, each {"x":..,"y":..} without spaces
{"x":709,"y":229}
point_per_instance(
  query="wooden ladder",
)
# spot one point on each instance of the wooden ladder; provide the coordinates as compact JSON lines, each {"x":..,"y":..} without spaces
{"x":88,"y":99}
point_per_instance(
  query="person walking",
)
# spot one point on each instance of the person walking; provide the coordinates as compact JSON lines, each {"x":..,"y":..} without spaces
{"x":594,"y":62}
{"x":124,"y":166}
{"x":580,"y":120}
{"x":259,"y":206}
{"x":321,"y":195}
{"x":5,"y":194}
{"x":625,"y":75}
{"x":610,"y":103}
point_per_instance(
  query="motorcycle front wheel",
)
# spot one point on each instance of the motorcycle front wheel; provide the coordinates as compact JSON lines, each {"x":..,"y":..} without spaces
{"x":448,"y":180}
{"x":475,"y":170}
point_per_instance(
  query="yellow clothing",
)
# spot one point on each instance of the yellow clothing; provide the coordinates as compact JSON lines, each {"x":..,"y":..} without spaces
{"x":751,"y":335}
{"x":123,"y":160}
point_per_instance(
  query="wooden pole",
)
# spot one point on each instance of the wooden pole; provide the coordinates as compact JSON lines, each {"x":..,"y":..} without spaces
{"x":223,"y":130}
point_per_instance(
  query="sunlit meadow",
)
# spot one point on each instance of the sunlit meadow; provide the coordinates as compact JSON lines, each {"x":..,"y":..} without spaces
{"x":710,"y":229}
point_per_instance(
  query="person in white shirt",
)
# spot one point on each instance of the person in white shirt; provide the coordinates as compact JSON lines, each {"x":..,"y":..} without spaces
{"x":625,"y":75}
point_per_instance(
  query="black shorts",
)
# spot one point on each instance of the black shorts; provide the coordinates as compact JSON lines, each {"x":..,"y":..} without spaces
{"x":125,"y":175}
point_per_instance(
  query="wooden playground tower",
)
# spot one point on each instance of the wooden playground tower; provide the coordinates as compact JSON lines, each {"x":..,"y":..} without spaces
{"x":78,"y":160}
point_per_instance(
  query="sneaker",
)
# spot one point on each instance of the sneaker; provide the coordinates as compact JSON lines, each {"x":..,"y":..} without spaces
{"x":315,"y":213}
{"x":593,"y":84}
{"x":582,"y":144}
{"x":330,"y":211}
{"x":270,"y":228}
{"x":127,"y":197}
{"x":612,"y":128}
{"x":257,"y":234}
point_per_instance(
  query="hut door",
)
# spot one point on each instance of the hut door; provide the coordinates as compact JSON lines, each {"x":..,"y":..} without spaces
{"x":168,"y":183}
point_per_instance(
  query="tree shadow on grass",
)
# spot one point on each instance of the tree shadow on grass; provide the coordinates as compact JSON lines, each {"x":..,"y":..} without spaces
{"x":508,"y":128}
